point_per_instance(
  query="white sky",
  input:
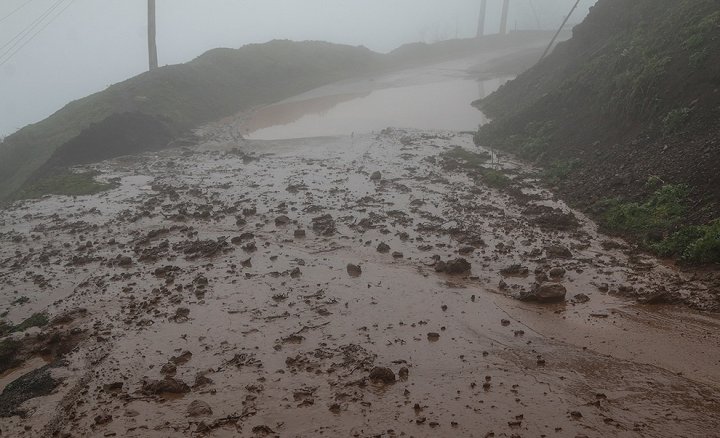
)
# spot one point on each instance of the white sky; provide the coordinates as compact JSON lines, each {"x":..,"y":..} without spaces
{"x":95,"y":43}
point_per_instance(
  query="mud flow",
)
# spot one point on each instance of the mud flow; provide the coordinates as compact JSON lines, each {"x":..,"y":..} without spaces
{"x":396,"y":283}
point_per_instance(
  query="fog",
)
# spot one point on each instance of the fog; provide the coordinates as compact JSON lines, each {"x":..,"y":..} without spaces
{"x":85,"y":45}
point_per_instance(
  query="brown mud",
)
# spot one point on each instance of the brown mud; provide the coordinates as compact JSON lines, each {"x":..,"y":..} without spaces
{"x":291,"y":288}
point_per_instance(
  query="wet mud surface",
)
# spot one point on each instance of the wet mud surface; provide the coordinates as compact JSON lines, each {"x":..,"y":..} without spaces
{"x":374,"y":285}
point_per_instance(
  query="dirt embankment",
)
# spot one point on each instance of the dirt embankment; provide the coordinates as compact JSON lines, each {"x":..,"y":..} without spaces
{"x":633,"y":96}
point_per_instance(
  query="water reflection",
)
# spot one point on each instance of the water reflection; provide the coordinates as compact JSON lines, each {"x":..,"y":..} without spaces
{"x":443,"y":105}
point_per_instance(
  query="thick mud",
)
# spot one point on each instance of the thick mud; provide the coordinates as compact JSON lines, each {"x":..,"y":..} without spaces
{"x":317,"y":287}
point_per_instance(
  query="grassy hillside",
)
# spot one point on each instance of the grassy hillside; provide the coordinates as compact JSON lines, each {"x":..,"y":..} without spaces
{"x":154,"y":107}
{"x":626,"y":118}
{"x":214,"y":85}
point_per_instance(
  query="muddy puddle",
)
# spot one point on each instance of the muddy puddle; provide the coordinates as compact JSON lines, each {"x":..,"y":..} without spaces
{"x":443,"y":105}
{"x":349,"y":286}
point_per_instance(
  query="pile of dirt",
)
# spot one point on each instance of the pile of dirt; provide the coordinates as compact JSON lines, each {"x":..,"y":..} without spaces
{"x":633,"y":96}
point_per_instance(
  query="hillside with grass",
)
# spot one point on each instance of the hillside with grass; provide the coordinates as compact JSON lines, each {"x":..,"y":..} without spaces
{"x":625,"y":119}
{"x":151,"y":110}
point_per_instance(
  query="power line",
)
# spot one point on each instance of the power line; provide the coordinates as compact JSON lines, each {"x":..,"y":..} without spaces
{"x":32,"y":26}
{"x":27,"y":41}
{"x":15,"y":10}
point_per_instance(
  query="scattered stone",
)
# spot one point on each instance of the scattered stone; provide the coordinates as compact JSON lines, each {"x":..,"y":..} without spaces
{"x":383,"y":248}
{"x":354,"y":270}
{"x":515,"y":270}
{"x":581,"y":298}
{"x":282,"y":220}
{"x":324,"y":225}
{"x":458,"y":266}
{"x":433,"y":336}
{"x":376,"y":176}
{"x":557,"y":252}
{"x":557,"y":272}
{"x":199,"y":408}
{"x":382,"y":375}
{"x":299,"y":234}
{"x":545,"y":293}
{"x":168,"y":385}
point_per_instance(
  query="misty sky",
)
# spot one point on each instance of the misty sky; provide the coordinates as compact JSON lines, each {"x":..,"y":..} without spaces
{"x":94,"y":43}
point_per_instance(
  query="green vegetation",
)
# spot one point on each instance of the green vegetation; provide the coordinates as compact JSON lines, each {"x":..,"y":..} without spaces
{"x":9,"y":348}
{"x":675,"y":120}
{"x":559,"y":170}
{"x":655,"y":223}
{"x":66,"y":183}
{"x":664,"y":209}
{"x":475,"y":164}
{"x":36,"y":320}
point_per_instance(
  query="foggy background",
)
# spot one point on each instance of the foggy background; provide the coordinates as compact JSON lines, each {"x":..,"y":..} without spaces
{"x":83,"y":46}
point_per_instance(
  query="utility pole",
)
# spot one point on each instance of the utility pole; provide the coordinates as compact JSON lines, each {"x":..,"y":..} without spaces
{"x":152,"y":45}
{"x":481,"y":19}
{"x":504,"y":19}
{"x":547,"y":50}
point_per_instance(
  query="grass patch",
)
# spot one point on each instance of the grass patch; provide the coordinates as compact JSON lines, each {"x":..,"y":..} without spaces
{"x":675,"y":120}
{"x":559,"y":171}
{"x":654,"y":222}
{"x":66,"y":183}
{"x":693,"y":244}
{"x":9,"y":348}
{"x":659,"y":213}
{"x":474,"y":163}
{"x":36,"y":320}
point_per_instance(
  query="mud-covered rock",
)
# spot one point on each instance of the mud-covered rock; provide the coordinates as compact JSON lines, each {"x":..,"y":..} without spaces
{"x":457,"y":266}
{"x":168,"y":385}
{"x":382,"y":375}
{"x":354,"y":270}
{"x":557,"y":252}
{"x":199,"y":408}
{"x":545,"y":293}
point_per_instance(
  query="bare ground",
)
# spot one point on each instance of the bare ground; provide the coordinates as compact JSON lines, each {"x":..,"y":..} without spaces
{"x":207,"y":313}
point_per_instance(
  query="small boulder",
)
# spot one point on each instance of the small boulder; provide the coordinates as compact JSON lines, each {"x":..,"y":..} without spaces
{"x":383,"y":248}
{"x":199,"y":408}
{"x":354,"y":270}
{"x":376,"y":176}
{"x":382,"y":375}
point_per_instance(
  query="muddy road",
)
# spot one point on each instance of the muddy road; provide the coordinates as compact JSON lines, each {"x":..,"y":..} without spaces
{"x":398,"y":283}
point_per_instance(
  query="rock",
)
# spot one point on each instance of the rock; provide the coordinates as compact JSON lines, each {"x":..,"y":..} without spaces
{"x":125,"y":261}
{"x":433,"y":336}
{"x":181,"y":314}
{"x":169,"y":369}
{"x":458,"y":266}
{"x":103,"y":419}
{"x":282,"y":220}
{"x":581,"y":298}
{"x":515,"y":269}
{"x":557,"y":252}
{"x":403,"y":373}
{"x":557,"y":272}
{"x":324,"y":225}
{"x":299,"y":234}
{"x":354,"y":270}
{"x":199,"y":408}
{"x":376,"y":176}
{"x":382,"y":375}
{"x":547,"y":293}
{"x":466,"y":250}
{"x":168,"y":385}
{"x":397,"y":255}
{"x":182,"y":358}
{"x":295,"y":273}
{"x":383,"y":248}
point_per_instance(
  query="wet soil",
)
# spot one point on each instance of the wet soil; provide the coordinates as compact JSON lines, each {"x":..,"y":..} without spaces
{"x":293,"y":288}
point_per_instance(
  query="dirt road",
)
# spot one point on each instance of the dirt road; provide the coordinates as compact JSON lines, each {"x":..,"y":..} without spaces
{"x":314,"y":288}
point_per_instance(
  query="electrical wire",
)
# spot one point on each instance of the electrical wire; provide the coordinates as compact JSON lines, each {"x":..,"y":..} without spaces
{"x":30,"y":27}
{"x":15,"y":10}
{"x":7,"y":57}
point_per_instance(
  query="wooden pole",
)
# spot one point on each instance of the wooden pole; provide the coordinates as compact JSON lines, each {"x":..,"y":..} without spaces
{"x":504,"y":19}
{"x":559,"y":30}
{"x":152,"y":45}
{"x":481,"y":19}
